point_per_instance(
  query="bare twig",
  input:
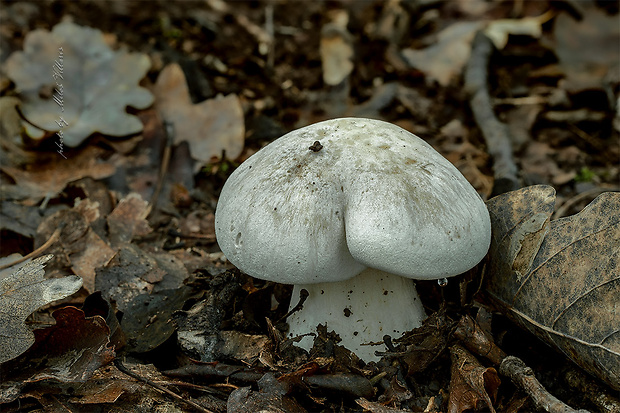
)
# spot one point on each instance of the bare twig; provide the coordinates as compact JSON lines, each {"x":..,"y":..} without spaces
{"x":119,"y":365}
{"x":476,"y":340}
{"x":165,"y":162}
{"x":36,"y":252}
{"x":523,"y":376}
{"x":495,"y":133}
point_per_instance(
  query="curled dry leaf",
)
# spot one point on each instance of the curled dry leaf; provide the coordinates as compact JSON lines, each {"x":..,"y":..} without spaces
{"x":71,"y":74}
{"x":22,"y":293}
{"x":560,"y":279}
{"x":209,"y":127}
{"x":471,"y":382}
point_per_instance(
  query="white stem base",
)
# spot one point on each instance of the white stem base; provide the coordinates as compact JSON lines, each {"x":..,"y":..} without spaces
{"x":361,"y":310}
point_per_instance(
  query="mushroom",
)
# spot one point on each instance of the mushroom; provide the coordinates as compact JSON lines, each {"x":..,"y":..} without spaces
{"x":351,"y":210}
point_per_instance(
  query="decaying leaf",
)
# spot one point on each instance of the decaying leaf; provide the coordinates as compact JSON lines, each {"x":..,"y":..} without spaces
{"x":49,"y":178}
{"x":69,"y":351}
{"x":272,"y":397}
{"x":128,"y":219}
{"x":587,"y":49}
{"x":444,"y":60}
{"x":560,"y":279}
{"x":78,"y":246}
{"x":209,"y":127}
{"x":240,"y":346}
{"x":147,"y":321}
{"x":471,"y":383}
{"x":71,"y":81}
{"x":22,"y":293}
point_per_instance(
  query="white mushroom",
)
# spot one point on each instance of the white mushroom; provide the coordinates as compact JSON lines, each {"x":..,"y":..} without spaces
{"x":352,"y":218}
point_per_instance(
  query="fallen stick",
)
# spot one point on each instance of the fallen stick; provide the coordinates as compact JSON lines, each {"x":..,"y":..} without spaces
{"x":476,"y":340}
{"x":495,"y":133}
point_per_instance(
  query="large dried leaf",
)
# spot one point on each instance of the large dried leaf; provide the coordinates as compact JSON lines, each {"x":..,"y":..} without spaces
{"x":22,"y":293}
{"x":71,"y":74}
{"x":560,"y":279}
{"x":209,"y":127}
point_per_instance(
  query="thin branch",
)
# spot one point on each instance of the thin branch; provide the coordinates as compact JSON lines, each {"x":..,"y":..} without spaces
{"x":119,"y":365}
{"x":495,"y":133}
{"x":36,"y":252}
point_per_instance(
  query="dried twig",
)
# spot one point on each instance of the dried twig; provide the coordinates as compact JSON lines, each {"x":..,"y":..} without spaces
{"x":495,"y":133}
{"x":163,"y":167}
{"x":36,"y":252}
{"x":523,"y":376}
{"x":476,"y":340}
{"x":119,"y":365}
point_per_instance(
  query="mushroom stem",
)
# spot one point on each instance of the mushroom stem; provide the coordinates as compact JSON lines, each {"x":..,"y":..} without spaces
{"x":360,"y":310}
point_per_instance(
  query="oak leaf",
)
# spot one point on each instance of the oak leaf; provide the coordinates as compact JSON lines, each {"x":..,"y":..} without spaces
{"x":72,"y":82}
{"x":209,"y":127}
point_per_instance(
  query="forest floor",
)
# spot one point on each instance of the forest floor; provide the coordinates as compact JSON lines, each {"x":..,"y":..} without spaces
{"x":113,"y":162}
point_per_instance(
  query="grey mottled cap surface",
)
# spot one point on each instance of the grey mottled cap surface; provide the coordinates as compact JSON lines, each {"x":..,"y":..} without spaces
{"x":374,"y":195}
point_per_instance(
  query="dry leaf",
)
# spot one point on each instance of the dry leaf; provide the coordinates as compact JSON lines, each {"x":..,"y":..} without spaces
{"x":498,"y":30}
{"x":22,"y":293}
{"x":128,"y":219}
{"x":272,"y":398}
{"x":78,"y":245}
{"x":209,"y":127}
{"x":471,"y":382}
{"x":336,"y":49}
{"x":587,"y":49}
{"x":234,"y":345}
{"x":50,"y":178}
{"x":70,"y":350}
{"x":445,"y":59}
{"x":560,"y":279}
{"x":87,"y":85}
{"x":147,"y":321}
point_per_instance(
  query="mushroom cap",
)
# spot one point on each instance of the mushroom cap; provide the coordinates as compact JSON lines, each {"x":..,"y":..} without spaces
{"x":374,"y":196}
